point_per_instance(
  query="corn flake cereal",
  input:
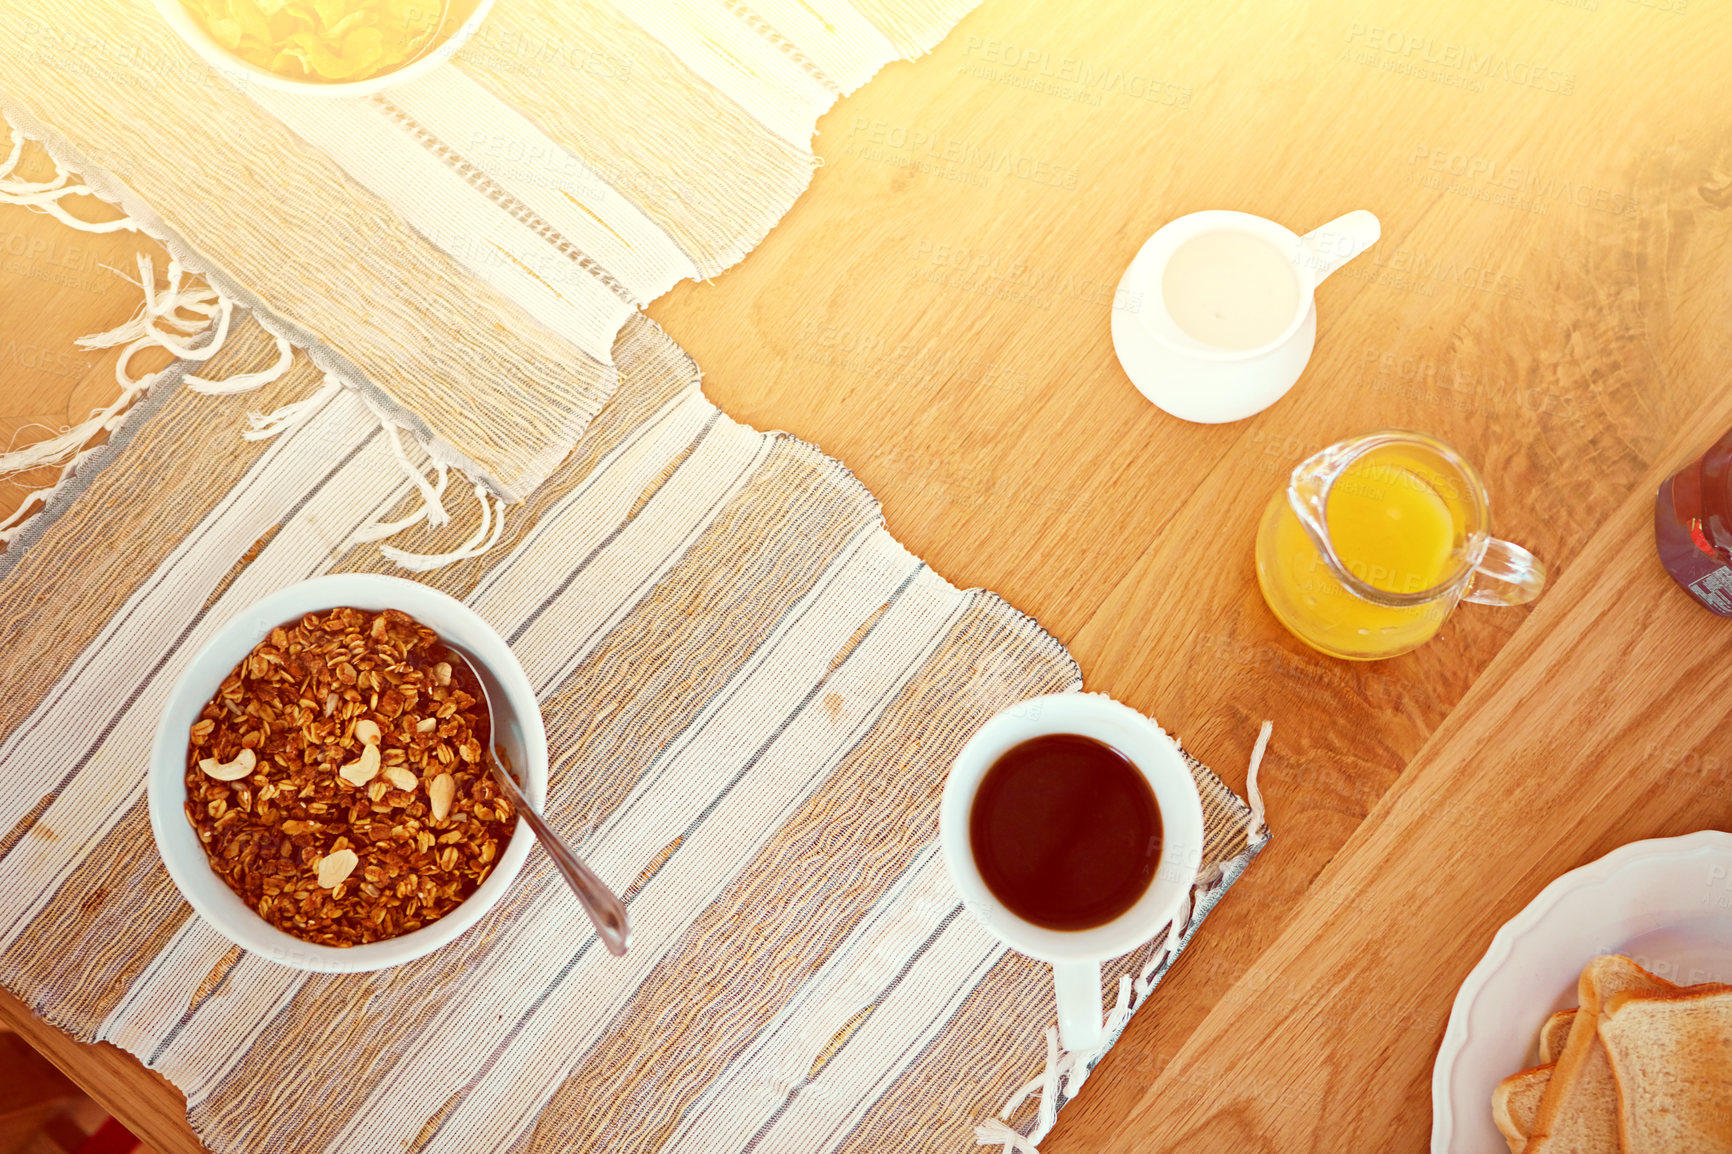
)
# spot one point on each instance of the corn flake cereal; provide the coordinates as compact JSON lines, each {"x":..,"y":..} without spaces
{"x":326,"y":41}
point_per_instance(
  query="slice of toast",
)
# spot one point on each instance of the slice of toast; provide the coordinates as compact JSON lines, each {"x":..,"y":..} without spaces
{"x":1554,"y":1034}
{"x":1578,"y":1113}
{"x":1671,"y":1054}
{"x":1515,"y":1102}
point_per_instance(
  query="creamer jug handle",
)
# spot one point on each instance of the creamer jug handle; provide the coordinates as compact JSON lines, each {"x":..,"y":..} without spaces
{"x":1332,"y":245}
{"x":1506,"y":575}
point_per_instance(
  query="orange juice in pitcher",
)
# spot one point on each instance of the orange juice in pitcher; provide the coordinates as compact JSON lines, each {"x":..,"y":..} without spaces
{"x":1377,"y":539}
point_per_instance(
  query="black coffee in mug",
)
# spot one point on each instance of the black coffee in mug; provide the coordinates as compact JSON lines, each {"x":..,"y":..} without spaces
{"x":1065,"y":831}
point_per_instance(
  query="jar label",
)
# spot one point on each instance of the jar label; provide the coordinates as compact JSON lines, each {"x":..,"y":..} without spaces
{"x":1715,"y":590}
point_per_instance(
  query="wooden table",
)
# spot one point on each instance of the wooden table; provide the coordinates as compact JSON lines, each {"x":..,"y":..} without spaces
{"x":1553,"y":295}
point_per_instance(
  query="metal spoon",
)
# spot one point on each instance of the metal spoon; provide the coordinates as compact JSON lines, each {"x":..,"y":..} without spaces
{"x":599,"y":902}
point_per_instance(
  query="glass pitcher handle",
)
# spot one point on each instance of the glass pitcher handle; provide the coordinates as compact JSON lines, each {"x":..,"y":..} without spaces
{"x":1516,"y":576}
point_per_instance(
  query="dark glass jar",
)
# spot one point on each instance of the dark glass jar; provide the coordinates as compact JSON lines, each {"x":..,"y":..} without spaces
{"x":1693,"y":526}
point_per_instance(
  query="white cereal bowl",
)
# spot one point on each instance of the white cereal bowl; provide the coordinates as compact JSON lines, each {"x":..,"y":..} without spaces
{"x":518,"y":728}
{"x":174,"y":13}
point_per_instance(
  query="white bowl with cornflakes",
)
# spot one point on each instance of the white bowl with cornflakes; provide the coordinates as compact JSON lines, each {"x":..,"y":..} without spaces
{"x":454,"y":28}
{"x":517,"y":726}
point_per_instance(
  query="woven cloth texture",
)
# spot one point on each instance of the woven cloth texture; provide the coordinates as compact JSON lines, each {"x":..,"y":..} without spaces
{"x":464,"y":248}
{"x":752,"y":694}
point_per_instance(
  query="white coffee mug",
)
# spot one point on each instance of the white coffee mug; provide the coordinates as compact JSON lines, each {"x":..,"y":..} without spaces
{"x":1076,"y":955}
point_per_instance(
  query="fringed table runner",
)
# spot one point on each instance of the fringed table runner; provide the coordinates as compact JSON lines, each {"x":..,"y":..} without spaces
{"x":463,"y":249}
{"x":753,"y":695}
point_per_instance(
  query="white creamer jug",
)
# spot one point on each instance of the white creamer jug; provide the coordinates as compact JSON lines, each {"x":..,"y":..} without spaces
{"x":1215,"y":317}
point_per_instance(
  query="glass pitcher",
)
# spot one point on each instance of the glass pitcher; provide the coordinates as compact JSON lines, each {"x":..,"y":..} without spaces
{"x":1376,"y":540}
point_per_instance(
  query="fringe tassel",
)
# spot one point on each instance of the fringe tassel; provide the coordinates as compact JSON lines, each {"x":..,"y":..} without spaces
{"x":379,"y":530}
{"x":264,"y":426}
{"x":432,"y":511}
{"x":1166,"y":947}
{"x":1067,"y":1069}
{"x":14,"y":524}
{"x":161,"y":322}
{"x":45,"y":195}
{"x":1117,"y":1019}
{"x":992,"y":1132}
{"x":169,"y":318}
{"x":1256,"y":828}
{"x":1047,"y":1115}
{"x":432,"y":508}
{"x":15,"y":151}
{"x":156,"y":324}
{"x":245,"y":382}
{"x":49,"y":201}
{"x":1074,"y":1066}
{"x":485,"y":537}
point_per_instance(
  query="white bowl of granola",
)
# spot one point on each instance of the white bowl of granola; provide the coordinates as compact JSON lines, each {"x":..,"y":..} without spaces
{"x":318,"y":786}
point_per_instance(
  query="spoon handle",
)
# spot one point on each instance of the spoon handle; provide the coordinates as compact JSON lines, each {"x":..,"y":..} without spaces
{"x":599,"y":902}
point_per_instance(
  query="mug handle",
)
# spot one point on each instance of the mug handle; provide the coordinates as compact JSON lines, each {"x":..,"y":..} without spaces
{"x":1517,"y":576}
{"x":1078,"y":989}
{"x":1332,"y":245}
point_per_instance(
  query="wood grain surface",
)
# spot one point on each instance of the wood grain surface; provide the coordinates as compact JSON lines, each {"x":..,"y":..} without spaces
{"x":1552,"y":295}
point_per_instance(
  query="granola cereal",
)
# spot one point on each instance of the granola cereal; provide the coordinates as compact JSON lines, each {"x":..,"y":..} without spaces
{"x":336,"y":779}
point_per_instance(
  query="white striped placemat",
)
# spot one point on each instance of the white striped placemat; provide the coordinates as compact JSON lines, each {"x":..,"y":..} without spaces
{"x":753,"y":694}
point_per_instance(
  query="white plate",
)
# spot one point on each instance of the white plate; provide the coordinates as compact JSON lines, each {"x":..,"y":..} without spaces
{"x":1665,"y":903}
